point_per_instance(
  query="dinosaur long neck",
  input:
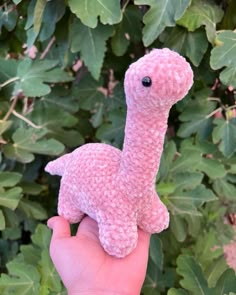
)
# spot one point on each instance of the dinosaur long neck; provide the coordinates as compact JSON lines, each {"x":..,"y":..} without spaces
{"x":143,"y":144}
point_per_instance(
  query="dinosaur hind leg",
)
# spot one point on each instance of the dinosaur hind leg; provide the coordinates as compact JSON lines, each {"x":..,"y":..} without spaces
{"x":66,"y":206}
{"x":118,"y":237}
{"x":155,"y":217}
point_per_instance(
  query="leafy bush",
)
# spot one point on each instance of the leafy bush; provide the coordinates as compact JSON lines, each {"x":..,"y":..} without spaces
{"x":62,"y":65}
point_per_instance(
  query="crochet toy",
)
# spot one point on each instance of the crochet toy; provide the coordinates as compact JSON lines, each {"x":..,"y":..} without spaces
{"x":117,"y":188}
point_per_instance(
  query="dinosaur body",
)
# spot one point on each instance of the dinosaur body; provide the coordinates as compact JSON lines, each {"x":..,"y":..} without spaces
{"x":117,"y":188}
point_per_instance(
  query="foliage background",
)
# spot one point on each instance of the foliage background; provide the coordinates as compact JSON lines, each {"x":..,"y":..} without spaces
{"x":62,"y":65}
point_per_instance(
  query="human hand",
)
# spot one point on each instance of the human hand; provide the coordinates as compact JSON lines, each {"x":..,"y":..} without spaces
{"x":84,"y":266}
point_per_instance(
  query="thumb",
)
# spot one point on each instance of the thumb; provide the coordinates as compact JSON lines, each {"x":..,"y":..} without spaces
{"x":60,"y":227}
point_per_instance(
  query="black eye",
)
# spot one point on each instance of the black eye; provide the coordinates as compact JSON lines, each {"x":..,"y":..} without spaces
{"x":147,"y":81}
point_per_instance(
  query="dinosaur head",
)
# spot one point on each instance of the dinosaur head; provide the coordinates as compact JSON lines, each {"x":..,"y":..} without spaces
{"x":157,"y":81}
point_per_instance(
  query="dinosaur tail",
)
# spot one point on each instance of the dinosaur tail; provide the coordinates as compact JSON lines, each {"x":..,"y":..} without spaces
{"x":57,"y":166}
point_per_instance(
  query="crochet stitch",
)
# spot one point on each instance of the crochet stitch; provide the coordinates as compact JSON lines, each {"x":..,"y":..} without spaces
{"x":117,"y":188}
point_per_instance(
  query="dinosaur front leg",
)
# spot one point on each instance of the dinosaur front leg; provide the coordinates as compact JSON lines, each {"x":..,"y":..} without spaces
{"x":66,"y":206}
{"x":118,"y":236}
{"x":154,"y":217}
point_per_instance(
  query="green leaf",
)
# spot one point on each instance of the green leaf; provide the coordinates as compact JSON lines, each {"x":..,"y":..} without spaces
{"x":18,"y":154}
{"x":228,"y":76}
{"x":156,"y":280}
{"x":11,"y":233}
{"x":178,"y":227}
{"x":193,"y":278}
{"x":188,"y":160}
{"x":33,"y":209}
{"x":223,"y":55}
{"x":28,"y":141}
{"x":187,"y":43}
{"x":117,"y":99}
{"x":17,"y":1}
{"x":194,"y":224}
{"x":167,"y":157}
{"x":97,"y":118}
{"x":31,"y":188}
{"x":9,"y":179}
{"x":215,"y":270}
{"x":88,"y":11}
{"x":8,"y":69}
{"x":12,"y":219}
{"x":4,"y":125}
{"x":201,"y":194}
{"x":208,"y":148}
{"x":114,"y":131}
{"x":188,"y":180}
{"x":232,"y":169}
{"x":42,"y":19}
{"x":51,"y":117}
{"x":161,"y":14}
{"x":31,"y":253}
{"x":174,"y":291}
{"x":156,"y":251}
{"x":2,"y":221}
{"x":10,"y":198}
{"x":205,"y":249}
{"x":42,"y":236}
{"x":201,"y":125}
{"x":61,"y":99}
{"x":8,"y":17}
{"x":196,"y":118}
{"x":91,"y":43}
{"x":70,"y":138}
{"x":226,"y":283}
{"x":52,"y":13}
{"x":224,"y":189}
{"x":34,"y":74}
{"x":88,"y":94}
{"x":49,"y":276}
{"x":38,"y":14}
{"x":184,"y":208}
{"x":30,"y":14}
{"x":23,"y":279}
{"x":213,"y":168}
{"x":202,"y":13}
{"x":224,"y":134}
{"x":186,"y":202}
{"x":165,"y":188}
{"x":128,"y":29}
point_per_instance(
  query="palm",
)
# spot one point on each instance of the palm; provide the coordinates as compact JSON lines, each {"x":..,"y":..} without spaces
{"x":82,"y":262}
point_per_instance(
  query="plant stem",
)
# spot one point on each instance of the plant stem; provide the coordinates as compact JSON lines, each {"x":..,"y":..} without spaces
{"x":214,"y":112}
{"x":48,"y":48}
{"x":231,"y":107}
{"x":9,"y":81}
{"x":15,"y":113}
{"x":13,"y":104}
{"x":124,"y":6}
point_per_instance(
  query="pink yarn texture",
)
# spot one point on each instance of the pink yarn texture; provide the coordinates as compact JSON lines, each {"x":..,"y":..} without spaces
{"x":117,"y":188}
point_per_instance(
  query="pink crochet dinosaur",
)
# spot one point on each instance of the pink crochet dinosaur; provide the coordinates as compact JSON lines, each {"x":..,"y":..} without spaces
{"x":117,"y":188}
